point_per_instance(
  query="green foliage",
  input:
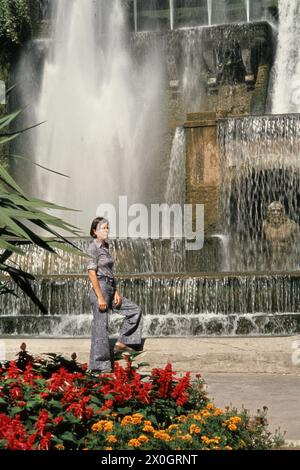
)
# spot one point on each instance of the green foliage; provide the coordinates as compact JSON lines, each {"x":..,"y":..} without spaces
{"x":15,"y":23}
{"x":59,"y":405}
{"x":21,"y":221}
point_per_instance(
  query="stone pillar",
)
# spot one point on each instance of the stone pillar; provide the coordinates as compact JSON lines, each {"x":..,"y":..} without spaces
{"x":202,"y":166}
{"x":203,"y":185}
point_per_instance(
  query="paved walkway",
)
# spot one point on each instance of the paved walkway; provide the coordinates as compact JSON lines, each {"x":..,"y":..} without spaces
{"x":249,"y":372}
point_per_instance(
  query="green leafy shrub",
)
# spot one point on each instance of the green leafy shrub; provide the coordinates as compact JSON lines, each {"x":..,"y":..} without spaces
{"x":57,"y":404}
{"x":15,"y":23}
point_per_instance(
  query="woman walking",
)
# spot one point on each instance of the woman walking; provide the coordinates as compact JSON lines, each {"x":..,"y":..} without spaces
{"x":104,"y":296}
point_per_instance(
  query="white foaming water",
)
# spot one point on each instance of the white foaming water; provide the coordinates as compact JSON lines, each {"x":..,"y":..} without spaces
{"x":247,"y":2}
{"x":286,"y":93}
{"x":192,"y":69}
{"x":100,"y":107}
{"x":209,"y":11}
{"x":224,"y":239}
{"x":171,"y":14}
{"x":135,"y":15}
{"x":175,"y":184}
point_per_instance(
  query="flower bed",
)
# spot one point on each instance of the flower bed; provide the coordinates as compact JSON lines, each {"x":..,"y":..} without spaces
{"x":58,"y":404}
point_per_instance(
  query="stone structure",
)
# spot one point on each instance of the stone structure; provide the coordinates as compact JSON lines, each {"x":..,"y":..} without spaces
{"x":237,"y":60}
{"x":282,"y":237}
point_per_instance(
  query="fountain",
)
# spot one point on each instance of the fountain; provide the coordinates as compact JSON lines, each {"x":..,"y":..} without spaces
{"x":286,"y":97}
{"x":135,"y":16}
{"x":209,"y":11}
{"x":171,"y":15}
{"x":247,"y":2}
{"x":183,"y":108}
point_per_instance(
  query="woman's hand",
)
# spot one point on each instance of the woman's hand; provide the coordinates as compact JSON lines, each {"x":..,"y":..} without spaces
{"x":102,"y":304}
{"x":117,"y":299}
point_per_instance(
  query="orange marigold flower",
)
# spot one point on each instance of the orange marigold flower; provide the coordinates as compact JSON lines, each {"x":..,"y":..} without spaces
{"x":97,"y":427}
{"x":187,"y":437}
{"x":210,"y":406}
{"x":235,"y":419}
{"x":182,"y":419}
{"x":228,"y":448}
{"x":108,"y":426}
{"x":126,"y":420}
{"x":232,"y":427}
{"x":148,"y":428}
{"x":112,"y":439}
{"x":148,"y":423}
{"x":197,"y":417}
{"x":218,"y":412}
{"x":163,"y":435}
{"x":108,"y":448}
{"x":194,"y":429}
{"x":172,"y":427}
{"x":136,"y":420}
{"x":206,"y":413}
{"x":143,"y":438}
{"x":102,"y":425}
{"x":134,"y":443}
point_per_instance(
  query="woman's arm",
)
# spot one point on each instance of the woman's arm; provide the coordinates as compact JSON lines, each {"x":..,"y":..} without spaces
{"x":117,"y":299}
{"x":101,"y":301}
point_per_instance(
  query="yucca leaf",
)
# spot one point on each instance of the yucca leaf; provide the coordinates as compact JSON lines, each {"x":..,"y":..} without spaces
{"x":6,"y":120}
{"x":11,"y":224}
{"x":6,"y":290}
{"x":9,"y":181}
{"x":9,"y":90}
{"x":37,"y":164}
{"x":16,"y":271}
{"x":21,"y":131}
{"x":32,"y":203}
{"x":25,"y":286}
{"x":4,"y":139}
{"x":50,"y":205}
{"x":18,"y":211}
{"x":53,"y":232}
{"x":29,"y":215}
{"x":62,"y":246}
{"x":36,"y":239}
{"x":4,"y":245}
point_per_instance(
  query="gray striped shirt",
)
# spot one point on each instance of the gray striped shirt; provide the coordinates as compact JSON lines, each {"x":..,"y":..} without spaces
{"x":101,"y":260}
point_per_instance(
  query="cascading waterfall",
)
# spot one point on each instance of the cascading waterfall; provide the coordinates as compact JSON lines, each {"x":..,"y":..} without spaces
{"x":176,"y":179}
{"x":219,"y":12}
{"x":224,"y":239}
{"x":215,"y":305}
{"x":99,"y":104}
{"x":102,"y":95}
{"x":132,"y":256}
{"x":171,"y":14}
{"x":209,"y":11}
{"x":247,"y":4}
{"x":286,"y":92}
{"x":192,"y":67}
{"x":260,"y":158}
{"x":135,"y":16}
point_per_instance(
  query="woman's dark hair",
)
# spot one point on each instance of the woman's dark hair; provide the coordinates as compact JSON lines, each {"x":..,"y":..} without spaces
{"x":94,"y":225}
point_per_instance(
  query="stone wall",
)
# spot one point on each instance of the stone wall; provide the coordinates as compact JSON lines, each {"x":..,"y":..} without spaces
{"x":237,"y":60}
